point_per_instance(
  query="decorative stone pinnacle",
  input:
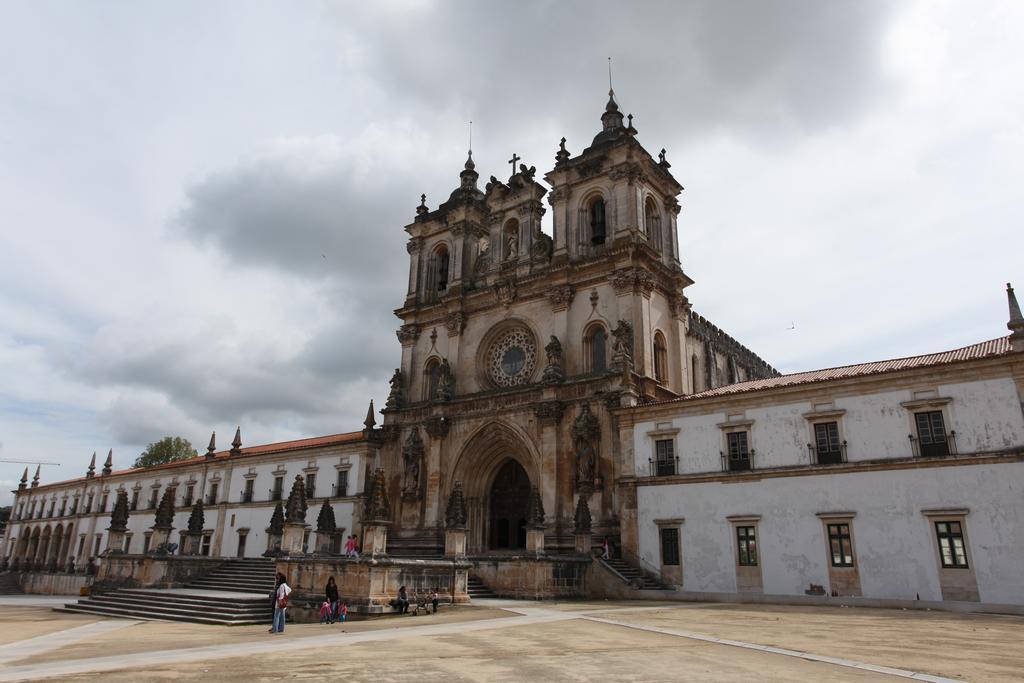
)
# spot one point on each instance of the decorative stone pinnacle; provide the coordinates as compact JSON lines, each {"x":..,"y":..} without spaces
{"x":92,"y":466}
{"x":35,"y":479}
{"x":378,"y":506}
{"x":24,"y":480}
{"x":165,"y":511}
{"x":422,"y":208}
{"x":295,"y":510}
{"x":455,"y":516}
{"x":535,"y":510}
{"x":108,"y":466}
{"x":582,"y":517}
{"x":1016,"y":323}
{"x":371,"y":421}
{"x":276,"y":520}
{"x":325,"y":522}
{"x":236,"y":443}
{"x":196,"y":520}
{"x":119,"y":515}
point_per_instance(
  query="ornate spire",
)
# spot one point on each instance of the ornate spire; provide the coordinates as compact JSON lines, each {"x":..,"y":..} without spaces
{"x":35,"y":479}
{"x":108,"y":465}
{"x":611,"y":119}
{"x":211,"y":450}
{"x":582,"y":517}
{"x":535,"y":510}
{"x":562,"y":155}
{"x":370,"y":422}
{"x":119,"y":516}
{"x":422,"y":208}
{"x":469,"y":175}
{"x":455,"y":515}
{"x":92,"y":467}
{"x":1016,"y":324}
{"x":197,"y":520}
{"x":277,"y":520}
{"x":236,"y":443}
{"x":325,"y":522}
{"x":24,"y":480}
{"x":165,"y":511}
{"x":378,"y":507}
{"x":295,"y":510}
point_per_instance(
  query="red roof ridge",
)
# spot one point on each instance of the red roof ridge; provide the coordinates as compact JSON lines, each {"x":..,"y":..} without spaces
{"x":986,"y":349}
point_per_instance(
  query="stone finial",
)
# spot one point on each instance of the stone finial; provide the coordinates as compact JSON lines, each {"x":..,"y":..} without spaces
{"x":325,"y":522}
{"x":422,"y":208}
{"x":611,"y":119}
{"x":582,"y":517}
{"x":108,"y":464}
{"x":197,"y":520}
{"x":165,"y":510}
{"x":35,"y":478}
{"x":236,"y":443}
{"x":295,"y":509}
{"x":455,"y":515}
{"x":662,"y":161}
{"x":378,"y":506}
{"x":1016,"y":323}
{"x":276,"y":520}
{"x":371,"y":420}
{"x":24,"y":480}
{"x":211,"y":450}
{"x":562,"y":155}
{"x":535,"y":510}
{"x":92,"y":467}
{"x":119,"y":515}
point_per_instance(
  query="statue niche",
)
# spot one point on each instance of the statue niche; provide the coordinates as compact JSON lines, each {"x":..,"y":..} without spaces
{"x":586,"y":436}
{"x":412,"y":456}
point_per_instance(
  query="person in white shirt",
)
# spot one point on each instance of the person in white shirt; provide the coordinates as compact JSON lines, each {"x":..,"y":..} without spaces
{"x":281,"y":603}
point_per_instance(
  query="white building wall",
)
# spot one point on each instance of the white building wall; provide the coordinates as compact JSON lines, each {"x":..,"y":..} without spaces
{"x":893,"y":541}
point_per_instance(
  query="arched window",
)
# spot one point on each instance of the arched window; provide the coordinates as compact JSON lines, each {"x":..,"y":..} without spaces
{"x":595,"y":349}
{"x":441,"y":258}
{"x":660,"y":357}
{"x":596,"y":216}
{"x":652,"y":220}
{"x":431,"y":379}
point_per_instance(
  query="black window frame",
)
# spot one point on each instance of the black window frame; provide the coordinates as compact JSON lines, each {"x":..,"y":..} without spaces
{"x":310,"y":484}
{"x":247,"y":492}
{"x":341,"y":486}
{"x":669,"y":539}
{"x":947,"y":538}
{"x":278,"y":491}
{"x":598,"y":218}
{"x":828,"y":448}
{"x":746,"y":545}
{"x":664,"y":457}
{"x":840,"y":538}
{"x":738,"y":454}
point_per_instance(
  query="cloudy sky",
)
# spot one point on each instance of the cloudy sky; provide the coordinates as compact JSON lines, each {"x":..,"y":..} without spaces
{"x":201,"y":204}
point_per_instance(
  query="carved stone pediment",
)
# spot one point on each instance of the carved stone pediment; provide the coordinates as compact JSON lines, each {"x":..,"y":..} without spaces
{"x":561,"y":296}
{"x":408,"y":334}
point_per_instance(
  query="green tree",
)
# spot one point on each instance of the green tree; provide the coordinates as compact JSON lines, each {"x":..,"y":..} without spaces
{"x":167,"y":449}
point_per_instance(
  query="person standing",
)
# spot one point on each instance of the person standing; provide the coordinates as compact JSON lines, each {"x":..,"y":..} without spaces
{"x":434,"y":600}
{"x":355,"y":546}
{"x":604,"y":549}
{"x":331,"y":593}
{"x":283,"y":591}
{"x":349,"y":546}
{"x":273,"y":601}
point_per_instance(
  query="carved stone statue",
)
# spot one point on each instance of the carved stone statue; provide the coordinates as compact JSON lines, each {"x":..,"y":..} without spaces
{"x":513,"y":247}
{"x":412,"y":455}
{"x":622,"y":347}
{"x":586,"y":433}
{"x":395,"y":398}
{"x":445,"y":382}
{"x":554,"y":371}
{"x":295,"y":509}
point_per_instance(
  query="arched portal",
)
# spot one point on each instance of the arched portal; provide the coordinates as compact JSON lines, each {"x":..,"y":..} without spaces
{"x":498,"y":461}
{"x":510,"y":494}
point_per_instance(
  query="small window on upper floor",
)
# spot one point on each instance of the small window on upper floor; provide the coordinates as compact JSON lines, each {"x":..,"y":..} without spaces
{"x":596,"y":216}
{"x":931,"y":433}
{"x":595,"y":349}
{"x":431,"y":379}
{"x":652,"y":222}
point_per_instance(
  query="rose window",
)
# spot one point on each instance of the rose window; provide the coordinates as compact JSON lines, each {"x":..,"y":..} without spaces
{"x":512,"y":358}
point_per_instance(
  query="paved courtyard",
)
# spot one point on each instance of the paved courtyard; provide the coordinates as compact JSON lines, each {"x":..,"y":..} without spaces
{"x":523,"y":641}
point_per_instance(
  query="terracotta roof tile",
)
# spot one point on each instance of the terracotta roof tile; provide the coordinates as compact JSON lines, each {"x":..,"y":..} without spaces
{"x":986,"y":349}
{"x":263,"y":449}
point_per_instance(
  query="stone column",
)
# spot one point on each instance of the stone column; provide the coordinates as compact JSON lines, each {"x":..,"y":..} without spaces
{"x":163,"y":524}
{"x":378,"y":518}
{"x":375,"y":539}
{"x":295,"y":519}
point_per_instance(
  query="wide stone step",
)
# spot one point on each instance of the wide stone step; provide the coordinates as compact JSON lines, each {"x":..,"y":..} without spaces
{"x":196,"y":597}
{"x":170,"y":611}
{"x":233,"y":588}
{"x":140,"y":615}
{"x":144,"y":601}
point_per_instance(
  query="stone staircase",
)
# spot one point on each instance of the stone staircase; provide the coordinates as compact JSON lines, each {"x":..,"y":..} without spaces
{"x":633,"y":575}
{"x":249,"y":575}
{"x":9,"y":584}
{"x":236,"y":593}
{"x":477,"y":589}
{"x":195,"y":606}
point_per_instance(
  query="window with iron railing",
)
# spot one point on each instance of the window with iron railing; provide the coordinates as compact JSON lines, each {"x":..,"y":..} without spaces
{"x":665,"y":463}
{"x":827,"y":449}
{"x":247,"y":492}
{"x":341,"y":488}
{"x":275,"y":493}
{"x":311,"y":485}
{"x":135,"y":500}
{"x":189,"y":493}
{"x":739,"y":457}
{"x":211,"y":499}
{"x":932,"y":439}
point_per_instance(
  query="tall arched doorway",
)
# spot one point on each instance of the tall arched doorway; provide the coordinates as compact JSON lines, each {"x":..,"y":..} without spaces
{"x":510,"y":494}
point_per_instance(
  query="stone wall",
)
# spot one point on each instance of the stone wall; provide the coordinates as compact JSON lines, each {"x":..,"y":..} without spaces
{"x":148,"y":571}
{"x":534,"y":578}
{"x":37,"y":583}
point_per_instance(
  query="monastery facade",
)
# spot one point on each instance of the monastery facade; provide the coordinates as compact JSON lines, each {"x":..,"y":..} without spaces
{"x":565,"y":387}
